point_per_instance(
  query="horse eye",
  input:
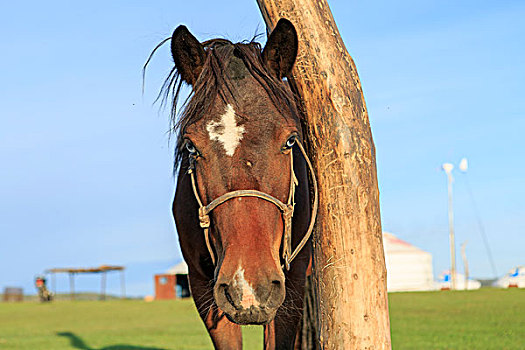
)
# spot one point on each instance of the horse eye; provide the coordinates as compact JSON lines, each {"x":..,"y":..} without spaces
{"x":191,"y":148}
{"x":291,"y":141}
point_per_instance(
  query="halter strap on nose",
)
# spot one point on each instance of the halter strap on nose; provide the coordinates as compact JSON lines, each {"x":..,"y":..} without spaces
{"x":287,"y":209}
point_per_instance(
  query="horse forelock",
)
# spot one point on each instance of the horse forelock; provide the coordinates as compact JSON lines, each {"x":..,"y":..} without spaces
{"x":216,"y":83}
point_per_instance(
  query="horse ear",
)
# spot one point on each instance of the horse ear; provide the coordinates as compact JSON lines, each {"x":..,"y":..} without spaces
{"x":188,"y":54}
{"x":281,"y":49}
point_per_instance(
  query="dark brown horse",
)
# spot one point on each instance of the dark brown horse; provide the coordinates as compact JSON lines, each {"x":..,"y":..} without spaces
{"x":242,"y":169}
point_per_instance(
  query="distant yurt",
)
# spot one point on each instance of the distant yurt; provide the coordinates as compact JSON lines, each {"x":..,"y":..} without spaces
{"x":173,"y":283}
{"x":514,"y":278}
{"x":408,"y":267}
{"x":179,"y":269}
{"x":444,"y":282}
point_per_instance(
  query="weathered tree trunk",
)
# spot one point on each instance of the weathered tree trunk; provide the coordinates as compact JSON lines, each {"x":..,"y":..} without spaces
{"x":349,"y":266}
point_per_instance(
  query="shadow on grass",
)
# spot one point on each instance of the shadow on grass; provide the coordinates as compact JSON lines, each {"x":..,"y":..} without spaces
{"x":78,"y":343}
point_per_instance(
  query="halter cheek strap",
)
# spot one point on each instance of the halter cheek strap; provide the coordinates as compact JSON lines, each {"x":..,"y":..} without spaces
{"x":287,"y":209}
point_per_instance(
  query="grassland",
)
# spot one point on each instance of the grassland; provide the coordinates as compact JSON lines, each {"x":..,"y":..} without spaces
{"x":485,"y":319}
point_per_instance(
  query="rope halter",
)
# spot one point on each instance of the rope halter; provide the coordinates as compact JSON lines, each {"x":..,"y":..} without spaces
{"x":287,"y":209}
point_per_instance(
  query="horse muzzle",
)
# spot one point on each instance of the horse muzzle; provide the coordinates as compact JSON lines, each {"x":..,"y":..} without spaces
{"x":244,"y":304}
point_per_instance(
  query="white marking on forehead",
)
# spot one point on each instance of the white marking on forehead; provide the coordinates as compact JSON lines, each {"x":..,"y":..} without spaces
{"x":226,"y":131}
{"x":248,"y":297}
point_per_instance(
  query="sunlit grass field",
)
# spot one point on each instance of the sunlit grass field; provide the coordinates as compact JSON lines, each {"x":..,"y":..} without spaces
{"x":484,"y":319}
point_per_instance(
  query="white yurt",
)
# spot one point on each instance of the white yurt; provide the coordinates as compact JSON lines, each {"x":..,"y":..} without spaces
{"x":514,"y":278}
{"x":408,"y":267}
{"x":445,"y":282}
{"x":178,"y":269}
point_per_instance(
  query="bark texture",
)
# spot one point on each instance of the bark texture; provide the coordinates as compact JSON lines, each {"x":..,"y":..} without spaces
{"x":349,"y":265}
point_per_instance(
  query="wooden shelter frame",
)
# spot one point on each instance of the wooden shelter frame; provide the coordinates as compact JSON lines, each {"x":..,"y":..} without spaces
{"x":103,"y":270}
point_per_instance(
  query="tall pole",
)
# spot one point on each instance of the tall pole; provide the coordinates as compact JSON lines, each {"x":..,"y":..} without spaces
{"x":465,"y":262}
{"x":349,"y":265}
{"x":447,"y":167}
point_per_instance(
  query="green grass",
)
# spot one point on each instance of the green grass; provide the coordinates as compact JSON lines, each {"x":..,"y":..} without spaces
{"x":109,"y":325}
{"x":484,"y":319}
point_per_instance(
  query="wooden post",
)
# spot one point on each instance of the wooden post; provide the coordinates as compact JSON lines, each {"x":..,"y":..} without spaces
{"x":103,"y":286}
{"x":72,"y":285}
{"x":54,"y":283}
{"x":122,"y":285}
{"x":349,"y":266}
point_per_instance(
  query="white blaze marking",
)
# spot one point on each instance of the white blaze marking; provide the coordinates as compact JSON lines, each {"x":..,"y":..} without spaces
{"x":248,"y":298}
{"x":226,"y":131}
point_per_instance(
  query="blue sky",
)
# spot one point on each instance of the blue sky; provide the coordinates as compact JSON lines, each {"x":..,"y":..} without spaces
{"x":86,"y":166}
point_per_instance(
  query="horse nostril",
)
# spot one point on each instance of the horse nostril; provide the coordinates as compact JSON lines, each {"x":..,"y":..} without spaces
{"x":276,"y":293}
{"x":276,"y":287}
{"x":223,"y":287}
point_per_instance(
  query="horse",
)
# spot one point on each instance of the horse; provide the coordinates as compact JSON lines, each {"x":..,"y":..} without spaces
{"x":242,"y":205}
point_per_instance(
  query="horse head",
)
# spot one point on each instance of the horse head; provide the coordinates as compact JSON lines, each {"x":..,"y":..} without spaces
{"x":236,"y":135}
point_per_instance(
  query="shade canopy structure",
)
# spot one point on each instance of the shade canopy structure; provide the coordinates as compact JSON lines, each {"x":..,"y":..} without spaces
{"x":514,"y":278}
{"x":102,"y":269}
{"x":408,"y":267}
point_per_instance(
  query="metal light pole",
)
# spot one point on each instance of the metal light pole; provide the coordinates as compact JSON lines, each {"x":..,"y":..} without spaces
{"x":447,"y":167}
{"x":465,"y":263}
